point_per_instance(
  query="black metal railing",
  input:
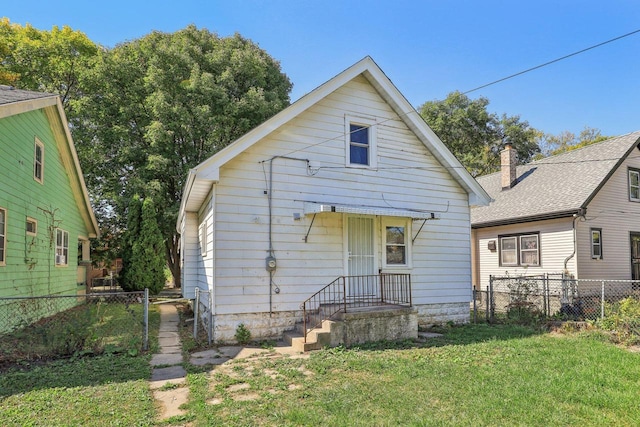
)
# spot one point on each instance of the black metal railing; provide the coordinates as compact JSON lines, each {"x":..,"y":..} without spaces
{"x":355,"y":292}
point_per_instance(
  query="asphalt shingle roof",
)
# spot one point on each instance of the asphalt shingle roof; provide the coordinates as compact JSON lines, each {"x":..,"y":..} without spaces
{"x":9,"y":94}
{"x":554,"y":185}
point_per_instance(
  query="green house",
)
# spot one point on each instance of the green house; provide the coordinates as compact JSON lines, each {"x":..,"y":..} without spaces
{"x":46,"y":219}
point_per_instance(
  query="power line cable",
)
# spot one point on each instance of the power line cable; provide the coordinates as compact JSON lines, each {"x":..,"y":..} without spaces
{"x":551,"y":62}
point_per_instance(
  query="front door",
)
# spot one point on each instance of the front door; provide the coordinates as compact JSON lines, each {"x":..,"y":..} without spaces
{"x":361,"y":262}
{"x":635,"y":258}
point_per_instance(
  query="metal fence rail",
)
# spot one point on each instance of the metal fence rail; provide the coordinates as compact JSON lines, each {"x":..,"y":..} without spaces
{"x":59,"y":325}
{"x":203,"y":315}
{"x":551,"y":296}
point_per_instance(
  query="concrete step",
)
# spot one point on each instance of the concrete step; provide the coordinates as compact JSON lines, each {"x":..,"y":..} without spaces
{"x":316,"y":338}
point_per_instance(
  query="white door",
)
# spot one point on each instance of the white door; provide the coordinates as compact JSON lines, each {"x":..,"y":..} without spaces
{"x":361,"y":256}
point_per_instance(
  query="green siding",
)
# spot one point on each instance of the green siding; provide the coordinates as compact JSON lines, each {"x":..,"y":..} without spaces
{"x":30,"y":268}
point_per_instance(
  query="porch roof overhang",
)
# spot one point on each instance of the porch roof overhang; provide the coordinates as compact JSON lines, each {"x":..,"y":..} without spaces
{"x":311,"y":208}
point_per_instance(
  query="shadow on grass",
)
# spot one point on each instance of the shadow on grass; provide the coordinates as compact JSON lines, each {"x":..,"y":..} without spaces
{"x":79,"y":372}
{"x":459,"y":335}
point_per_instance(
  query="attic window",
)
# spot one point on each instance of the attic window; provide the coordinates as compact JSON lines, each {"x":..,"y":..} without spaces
{"x":38,"y":161}
{"x":360,"y":142}
{"x":634,"y":185}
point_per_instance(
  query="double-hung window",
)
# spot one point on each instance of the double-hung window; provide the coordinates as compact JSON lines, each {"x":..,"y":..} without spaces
{"x":396,"y":243}
{"x":38,"y":161}
{"x":520,"y":250}
{"x":596,"y":243}
{"x":634,"y":185}
{"x":62,"y":247}
{"x":360,"y":142}
{"x":3,"y":236}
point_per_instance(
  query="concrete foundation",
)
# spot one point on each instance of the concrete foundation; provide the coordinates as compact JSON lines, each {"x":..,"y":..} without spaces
{"x":437,"y":314}
{"x":374,"y":325}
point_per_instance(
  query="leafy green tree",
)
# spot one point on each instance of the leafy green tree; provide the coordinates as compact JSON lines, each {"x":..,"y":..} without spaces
{"x":476,"y":136}
{"x":567,"y":141}
{"x":157,"y":106}
{"x":147,"y":262}
{"x":131,"y":235}
{"x":47,"y":61}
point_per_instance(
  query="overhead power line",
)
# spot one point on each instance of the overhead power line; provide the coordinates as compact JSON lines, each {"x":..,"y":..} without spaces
{"x":551,"y":62}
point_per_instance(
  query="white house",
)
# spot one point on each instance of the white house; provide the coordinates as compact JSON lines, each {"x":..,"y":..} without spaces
{"x":576,"y":213}
{"x":347,"y":181}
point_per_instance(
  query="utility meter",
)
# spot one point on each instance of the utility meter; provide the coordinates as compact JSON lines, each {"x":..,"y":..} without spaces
{"x":271,"y":263}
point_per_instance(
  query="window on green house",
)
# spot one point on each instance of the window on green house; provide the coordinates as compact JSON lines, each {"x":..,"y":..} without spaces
{"x":62,"y":246}
{"x":38,"y":161}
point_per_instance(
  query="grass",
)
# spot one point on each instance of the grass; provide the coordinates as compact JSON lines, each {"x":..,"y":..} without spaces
{"x":83,"y":389}
{"x":475,"y":375}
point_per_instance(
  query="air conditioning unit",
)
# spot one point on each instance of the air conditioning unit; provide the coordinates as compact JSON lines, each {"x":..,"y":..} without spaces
{"x":61,"y":260}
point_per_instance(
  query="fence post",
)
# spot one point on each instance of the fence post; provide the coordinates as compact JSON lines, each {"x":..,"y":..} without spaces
{"x":145,"y":340}
{"x":489,"y":297}
{"x":475,"y":308}
{"x":196,"y":309}
{"x":602,"y":302}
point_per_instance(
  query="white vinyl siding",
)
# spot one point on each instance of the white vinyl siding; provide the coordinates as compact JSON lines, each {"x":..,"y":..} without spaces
{"x":555,"y":243}
{"x":408,"y":177}
{"x":612,"y":211}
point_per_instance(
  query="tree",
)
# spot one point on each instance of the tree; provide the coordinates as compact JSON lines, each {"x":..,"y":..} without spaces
{"x":567,"y":141}
{"x":132,"y":233}
{"x":155,"y":107}
{"x":47,"y":61}
{"x":146,"y":262}
{"x":476,"y":136}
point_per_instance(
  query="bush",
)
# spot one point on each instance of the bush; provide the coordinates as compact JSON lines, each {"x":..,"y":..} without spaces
{"x":623,"y":320}
{"x":243,"y":335}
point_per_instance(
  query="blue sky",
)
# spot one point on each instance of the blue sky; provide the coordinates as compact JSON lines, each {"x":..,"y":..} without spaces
{"x":427,"y":48}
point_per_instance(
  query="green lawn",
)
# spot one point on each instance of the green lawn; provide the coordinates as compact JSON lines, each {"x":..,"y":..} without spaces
{"x":475,"y":375}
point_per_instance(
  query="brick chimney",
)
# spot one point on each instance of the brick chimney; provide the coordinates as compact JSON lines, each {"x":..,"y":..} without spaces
{"x":508,"y":160}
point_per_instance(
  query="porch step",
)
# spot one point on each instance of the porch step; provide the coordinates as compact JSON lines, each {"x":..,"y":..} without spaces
{"x":316,"y":338}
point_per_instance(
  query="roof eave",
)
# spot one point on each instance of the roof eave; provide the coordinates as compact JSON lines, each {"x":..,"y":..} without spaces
{"x":531,"y":218}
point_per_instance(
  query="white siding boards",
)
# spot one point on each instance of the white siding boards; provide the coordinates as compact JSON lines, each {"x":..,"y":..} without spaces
{"x":265,"y":185}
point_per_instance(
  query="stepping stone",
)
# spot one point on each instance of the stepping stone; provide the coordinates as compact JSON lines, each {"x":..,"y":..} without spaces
{"x":429,"y":335}
{"x":172,"y":373}
{"x":237,"y":387}
{"x":166,"y":359}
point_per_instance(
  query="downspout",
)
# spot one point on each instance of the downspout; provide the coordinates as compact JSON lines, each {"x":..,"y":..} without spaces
{"x":576,"y":216}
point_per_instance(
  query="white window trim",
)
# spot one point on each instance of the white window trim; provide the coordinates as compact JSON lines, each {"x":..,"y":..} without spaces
{"x":35,"y":223}
{"x":373,"y":140}
{"x":3,"y":233}
{"x":517,"y":255}
{"x":397,"y":222}
{"x":37,"y":144}
{"x":634,"y":172}
{"x":599,"y":231}
{"x":64,"y":249}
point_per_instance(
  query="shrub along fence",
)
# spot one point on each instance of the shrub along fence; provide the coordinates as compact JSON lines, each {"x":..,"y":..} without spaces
{"x":33,"y":328}
{"x":551,"y":296}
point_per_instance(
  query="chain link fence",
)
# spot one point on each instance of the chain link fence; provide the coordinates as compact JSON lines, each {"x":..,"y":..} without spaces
{"x":48,"y":327}
{"x":550,"y":296}
{"x":203,"y":315}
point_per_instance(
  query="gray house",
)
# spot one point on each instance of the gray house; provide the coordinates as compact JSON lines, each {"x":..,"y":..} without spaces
{"x":577,"y":213}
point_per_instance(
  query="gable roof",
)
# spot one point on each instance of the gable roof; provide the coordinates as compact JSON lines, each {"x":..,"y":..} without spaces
{"x":202,"y":176}
{"x":16,"y":101}
{"x":553,"y":187}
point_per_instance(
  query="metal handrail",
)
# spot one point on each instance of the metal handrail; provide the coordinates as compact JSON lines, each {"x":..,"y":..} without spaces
{"x":363,"y":291}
